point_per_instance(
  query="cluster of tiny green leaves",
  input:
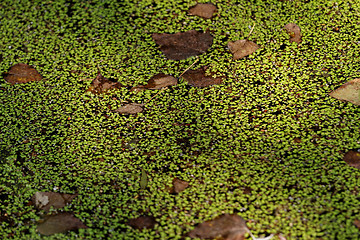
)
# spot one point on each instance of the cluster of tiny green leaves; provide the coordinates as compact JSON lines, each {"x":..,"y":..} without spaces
{"x":234,"y":142}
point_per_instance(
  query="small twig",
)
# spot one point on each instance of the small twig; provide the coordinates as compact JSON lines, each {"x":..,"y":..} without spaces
{"x":156,"y":94}
{"x":251,"y":30}
{"x":188,"y":68}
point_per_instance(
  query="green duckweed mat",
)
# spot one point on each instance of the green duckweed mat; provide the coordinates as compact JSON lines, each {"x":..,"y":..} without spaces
{"x":267,"y":144}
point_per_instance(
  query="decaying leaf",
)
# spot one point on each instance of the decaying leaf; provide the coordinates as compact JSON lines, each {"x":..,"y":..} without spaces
{"x":352,"y":158}
{"x":294,"y":32}
{"x":242,"y":48}
{"x":101,"y":84}
{"x":158,"y":81}
{"x":226,"y":226}
{"x":143,"y":179}
{"x":130,"y":108}
{"x":46,"y":200}
{"x":21,"y":73}
{"x":205,"y":10}
{"x":178,"y":185}
{"x":357,"y":223}
{"x":59,"y":223}
{"x":349,"y":91}
{"x":182,"y":45}
{"x":198,"y":78}
{"x":142,"y":222}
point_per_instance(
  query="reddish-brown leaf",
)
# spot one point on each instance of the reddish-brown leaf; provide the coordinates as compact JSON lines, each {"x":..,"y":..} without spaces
{"x":294,"y":32}
{"x":101,"y":84}
{"x":242,"y":48}
{"x":179,"y":185}
{"x":226,"y":226}
{"x":198,"y":78}
{"x":357,"y":223}
{"x":46,"y":200}
{"x":22,"y":73}
{"x":352,"y":158}
{"x":205,"y":10}
{"x":182,"y":45}
{"x":59,"y":223}
{"x":142,"y":222}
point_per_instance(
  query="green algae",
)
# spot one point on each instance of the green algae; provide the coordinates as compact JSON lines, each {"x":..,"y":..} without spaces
{"x":237,"y":148}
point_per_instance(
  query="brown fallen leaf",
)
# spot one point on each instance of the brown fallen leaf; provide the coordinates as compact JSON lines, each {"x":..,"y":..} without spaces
{"x":158,"y":81}
{"x":182,"y":45}
{"x":178,"y":185}
{"x":226,"y":226}
{"x":349,"y":91}
{"x":21,"y":73}
{"x":59,"y":223}
{"x":357,"y":223}
{"x":205,"y":10}
{"x":46,"y":200}
{"x":352,"y":158}
{"x":242,"y":48}
{"x":130,"y":108}
{"x":198,"y":78}
{"x":101,"y":84}
{"x":142,"y":222}
{"x":294,"y":32}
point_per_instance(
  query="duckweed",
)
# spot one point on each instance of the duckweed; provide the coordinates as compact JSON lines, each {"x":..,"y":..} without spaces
{"x":233,"y":143}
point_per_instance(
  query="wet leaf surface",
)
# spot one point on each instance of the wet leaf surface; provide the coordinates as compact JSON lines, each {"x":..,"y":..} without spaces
{"x":226,"y":226}
{"x":101,"y":84}
{"x":183,"y":45}
{"x":198,"y":78}
{"x":142,"y":222}
{"x":294,"y":31}
{"x":22,"y":73}
{"x":349,"y":91}
{"x":131,"y":108}
{"x":46,"y":200}
{"x":59,"y":223}
{"x":242,"y":48}
{"x":205,"y":10}
{"x":158,"y":81}
{"x":352,"y":158}
{"x":178,"y":185}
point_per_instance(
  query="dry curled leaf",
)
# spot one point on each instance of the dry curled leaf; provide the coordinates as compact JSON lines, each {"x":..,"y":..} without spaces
{"x":352,"y":158}
{"x":226,"y":226}
{"x":130,"y":108}
{"x":101,"y":84}
{"x":242,"y":48}
{"x":349,"y":91}
{"x":182,"y":45}
{"x":142,"y":222}
{"x":46,"y":200}
{"x":22,"y":73}
{"x":198,"y":78}
{"x":158,"y":81}
{"x":294,"y":32}
{"x":205,"y":10}
{"x":59,"y":223}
